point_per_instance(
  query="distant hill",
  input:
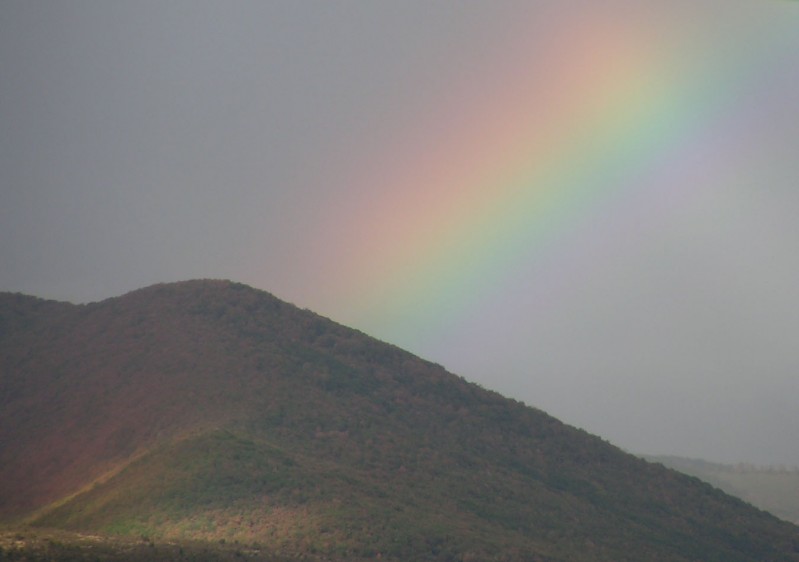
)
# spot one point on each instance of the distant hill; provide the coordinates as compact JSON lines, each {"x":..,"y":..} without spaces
{"x":775,"y":489}
{"x":207,"y":412}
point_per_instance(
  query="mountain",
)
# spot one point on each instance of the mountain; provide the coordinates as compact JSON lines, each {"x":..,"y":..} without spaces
{"x":210,"y":411}
{"x":775,"y":489}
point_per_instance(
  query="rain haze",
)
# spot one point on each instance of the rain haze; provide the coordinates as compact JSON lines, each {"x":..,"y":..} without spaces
{"x":591,"y":209}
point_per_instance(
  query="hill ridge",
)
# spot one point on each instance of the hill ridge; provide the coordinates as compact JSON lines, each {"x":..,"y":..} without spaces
{"x":773,"y":488}
{"x":254,"y":420}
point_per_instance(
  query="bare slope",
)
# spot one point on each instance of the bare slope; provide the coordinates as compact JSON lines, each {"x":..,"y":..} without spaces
{"x":209,"y":410}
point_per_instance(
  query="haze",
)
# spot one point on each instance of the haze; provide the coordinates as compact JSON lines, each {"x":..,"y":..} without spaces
{"x":591,"y":209}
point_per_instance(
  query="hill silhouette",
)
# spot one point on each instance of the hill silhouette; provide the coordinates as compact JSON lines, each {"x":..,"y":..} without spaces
{"x":211,"y":411}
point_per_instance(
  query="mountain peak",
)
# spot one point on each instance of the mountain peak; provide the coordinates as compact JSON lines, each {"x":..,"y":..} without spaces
{"x":194,"y":290}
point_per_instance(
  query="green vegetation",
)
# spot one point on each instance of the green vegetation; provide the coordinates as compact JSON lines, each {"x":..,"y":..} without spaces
{"x":52,"y":545}
{"x":207,"y":411}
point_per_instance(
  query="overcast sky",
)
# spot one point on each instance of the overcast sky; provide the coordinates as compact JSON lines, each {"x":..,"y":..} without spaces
{"x":590,"y":207}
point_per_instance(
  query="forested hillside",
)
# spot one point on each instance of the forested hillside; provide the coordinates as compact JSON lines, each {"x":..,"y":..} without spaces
{"x":209,"y":411}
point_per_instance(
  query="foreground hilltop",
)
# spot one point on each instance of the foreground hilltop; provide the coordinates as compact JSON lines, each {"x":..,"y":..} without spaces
{"x":211,"y":411}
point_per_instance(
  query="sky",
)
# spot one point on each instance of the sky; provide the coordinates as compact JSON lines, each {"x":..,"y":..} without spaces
{"x":586,"y":206}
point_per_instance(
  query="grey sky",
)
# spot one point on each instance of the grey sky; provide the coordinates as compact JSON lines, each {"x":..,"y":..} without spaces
{"x":156,"y":141}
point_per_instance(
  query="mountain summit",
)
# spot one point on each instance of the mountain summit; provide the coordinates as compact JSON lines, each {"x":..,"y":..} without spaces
{"x":208,"y":410}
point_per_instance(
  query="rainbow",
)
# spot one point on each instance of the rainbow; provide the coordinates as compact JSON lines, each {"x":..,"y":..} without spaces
{"x":586,"y":124}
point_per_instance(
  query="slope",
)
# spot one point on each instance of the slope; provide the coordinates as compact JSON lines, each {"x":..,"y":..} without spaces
{"x":209,"y":410}
{"x":775,"y":489}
